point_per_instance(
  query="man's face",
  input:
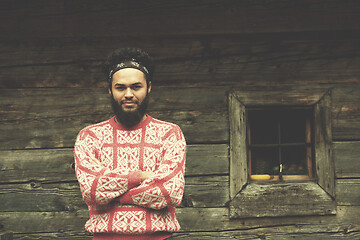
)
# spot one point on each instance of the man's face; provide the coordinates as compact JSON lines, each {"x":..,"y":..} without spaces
{"x":129,"y":95}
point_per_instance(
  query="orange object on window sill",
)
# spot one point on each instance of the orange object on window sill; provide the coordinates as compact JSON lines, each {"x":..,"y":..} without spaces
{"x":259,"y":177}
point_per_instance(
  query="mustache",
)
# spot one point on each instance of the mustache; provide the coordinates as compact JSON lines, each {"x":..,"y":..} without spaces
{"x":129,"y":101}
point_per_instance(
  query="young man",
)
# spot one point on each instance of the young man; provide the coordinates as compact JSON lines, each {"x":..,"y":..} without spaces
{"x":131,"y":167}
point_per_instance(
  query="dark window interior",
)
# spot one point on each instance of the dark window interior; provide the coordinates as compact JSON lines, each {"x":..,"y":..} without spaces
{"x":279,"y":142}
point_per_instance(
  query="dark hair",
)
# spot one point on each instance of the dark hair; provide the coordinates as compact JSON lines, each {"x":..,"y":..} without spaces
{"x":128,"y":54}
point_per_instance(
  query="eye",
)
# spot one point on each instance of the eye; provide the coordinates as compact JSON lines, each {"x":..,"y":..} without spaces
{"x":136,"y":87}
{"x":120,"y":88}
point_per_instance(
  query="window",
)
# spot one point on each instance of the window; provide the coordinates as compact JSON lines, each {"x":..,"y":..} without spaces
{"x":279,"y":143}
{"x":284,"y":133}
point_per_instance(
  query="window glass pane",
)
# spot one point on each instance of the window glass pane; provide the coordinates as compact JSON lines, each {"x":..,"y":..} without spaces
{"x":294,"y":160}
{"x":263,"y":127}
{"x":293,"y":126}
{"x":264,"y":160}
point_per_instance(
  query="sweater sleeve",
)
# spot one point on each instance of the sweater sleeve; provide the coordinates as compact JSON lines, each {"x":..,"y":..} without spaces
{"x":99,"y":185}
{"x":166,"y":187}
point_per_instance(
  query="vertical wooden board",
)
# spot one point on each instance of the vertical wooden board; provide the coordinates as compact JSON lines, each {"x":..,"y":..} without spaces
{"x":238,"y":163}
{"x":325,"y":168}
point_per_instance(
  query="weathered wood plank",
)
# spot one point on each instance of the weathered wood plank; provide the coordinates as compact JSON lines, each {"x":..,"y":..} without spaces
{"x":325,"y":165}
{"x":228,"y":70}
{"x":60,"y":102}
{"x":346,"y":113}
{"x":283,"y":199}
{"x":184,"y":17}
{"x":54,"y":116}
{"x":55,"y":197}
{"x":211,"y":191}
{"x":238,"y":153}
{"x":192,"y":220}
{"x":259,"y":48}
{"x":52,"y":165}
{"x":219,"y":235}
{"x":347,"y":155}
{"x":242,"y":235}
{"x":348,"y":192}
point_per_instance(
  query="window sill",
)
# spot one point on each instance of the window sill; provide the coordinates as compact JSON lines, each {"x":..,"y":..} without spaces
{"x":281,"y":199}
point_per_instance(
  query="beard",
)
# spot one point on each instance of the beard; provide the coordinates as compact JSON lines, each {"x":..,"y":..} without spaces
{"x":130,"y":118}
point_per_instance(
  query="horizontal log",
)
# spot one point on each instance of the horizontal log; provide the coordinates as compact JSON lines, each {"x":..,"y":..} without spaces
{"x":258,"y":48}
{"x":53,"y":117}
{"x":191,"y":220}
{"x":227,"y":70}
{"x":200,"y":192}
{"x":55,"y":197}
{"x":51,"y":18}
{"x":242,"y":235}
{"x":348,"y":192}
{"x":197,"y":126}
{"x":347,"y":155}
{"x":346,"y":113}
{"x":219,"y":235}
{"x":52,"y":165}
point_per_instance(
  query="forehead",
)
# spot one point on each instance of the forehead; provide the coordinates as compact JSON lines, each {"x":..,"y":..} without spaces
{"x":129,"y":76}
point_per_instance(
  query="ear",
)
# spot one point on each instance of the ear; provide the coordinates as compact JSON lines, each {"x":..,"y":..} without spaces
{"x":110,"y":92}
{"x":149,"y":87}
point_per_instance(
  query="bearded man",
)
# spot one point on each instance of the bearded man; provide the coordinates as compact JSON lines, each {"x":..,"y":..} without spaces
{"x":131,"y":167}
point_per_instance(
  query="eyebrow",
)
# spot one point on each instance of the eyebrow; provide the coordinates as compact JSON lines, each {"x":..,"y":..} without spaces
{"x":134,"y":84}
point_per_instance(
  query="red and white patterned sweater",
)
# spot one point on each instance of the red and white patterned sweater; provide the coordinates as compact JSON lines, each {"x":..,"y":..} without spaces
{"x":118,"y":202}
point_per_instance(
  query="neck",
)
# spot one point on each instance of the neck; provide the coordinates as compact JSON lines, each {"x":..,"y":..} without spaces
{"x":142,"y":119}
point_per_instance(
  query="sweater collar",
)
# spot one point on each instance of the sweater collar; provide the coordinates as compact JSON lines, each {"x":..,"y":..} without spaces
{"x":138,"y":126}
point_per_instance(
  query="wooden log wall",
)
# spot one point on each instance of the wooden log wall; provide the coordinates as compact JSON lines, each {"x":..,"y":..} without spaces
{"x":52,"y":86}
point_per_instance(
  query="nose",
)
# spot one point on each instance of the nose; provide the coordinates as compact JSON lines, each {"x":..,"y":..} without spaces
{"x":128,"y":93}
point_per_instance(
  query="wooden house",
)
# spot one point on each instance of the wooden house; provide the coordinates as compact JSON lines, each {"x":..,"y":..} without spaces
{"x":218,"y":63}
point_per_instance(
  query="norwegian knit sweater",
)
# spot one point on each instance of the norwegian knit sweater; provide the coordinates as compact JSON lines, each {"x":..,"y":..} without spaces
{"x":108,"y":161}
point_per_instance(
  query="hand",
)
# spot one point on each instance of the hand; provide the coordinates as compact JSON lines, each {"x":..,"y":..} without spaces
{"x":146,"y":175}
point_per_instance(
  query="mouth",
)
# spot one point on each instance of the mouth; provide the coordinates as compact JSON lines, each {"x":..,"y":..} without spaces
{"x":128,"y":104}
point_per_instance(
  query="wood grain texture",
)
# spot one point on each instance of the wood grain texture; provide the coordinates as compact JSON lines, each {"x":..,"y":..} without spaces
{"x":278,"y":200}
{"x":348,"y":192}
{"x":206,"y":191}
{"x":253,"y":48}
{"x":53,"y":117}
{"x":192,"y":220}
{"x":51,"y":18}
{"x":224,"y":71}
{"x":345,"y":112}
{"x":200,"y":192}
{"x":347,"y":155}
{"x":186,"y":60}
{"x":325,"y":166}
{"x":238,"y":147}
{"x":57,"y":165}
{"x":219,"y":235}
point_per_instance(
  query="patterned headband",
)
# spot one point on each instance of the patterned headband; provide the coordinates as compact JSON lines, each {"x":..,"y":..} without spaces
{"x":128,"y":64}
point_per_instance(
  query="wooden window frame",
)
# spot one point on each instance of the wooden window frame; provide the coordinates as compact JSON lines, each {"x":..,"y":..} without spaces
{"x":268,"y":199}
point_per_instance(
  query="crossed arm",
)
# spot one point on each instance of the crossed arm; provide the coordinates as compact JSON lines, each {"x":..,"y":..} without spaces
{"x":100,"y":185}
{"x":144,"y":174}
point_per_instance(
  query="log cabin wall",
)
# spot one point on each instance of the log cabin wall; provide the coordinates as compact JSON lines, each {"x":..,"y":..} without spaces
{"x":52,"y":86}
